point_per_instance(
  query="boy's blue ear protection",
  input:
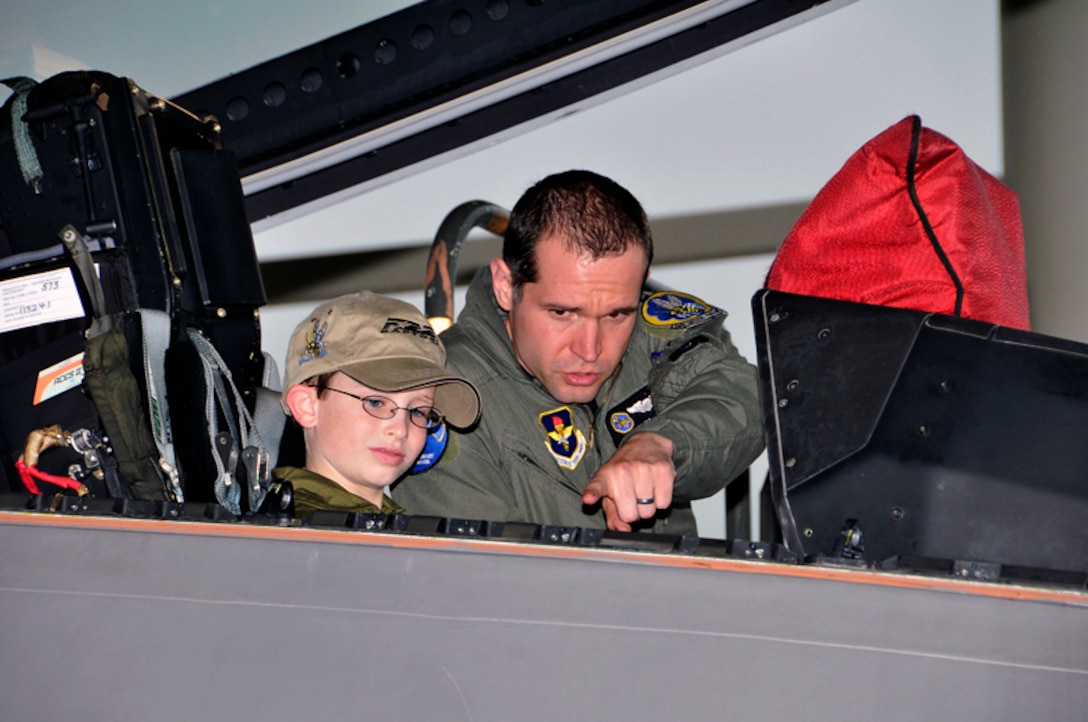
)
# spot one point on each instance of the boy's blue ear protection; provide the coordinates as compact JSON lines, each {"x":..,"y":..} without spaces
{"x":437,"y":439}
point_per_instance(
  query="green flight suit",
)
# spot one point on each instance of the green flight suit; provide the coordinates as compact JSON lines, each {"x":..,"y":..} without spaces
{"x":313,"y":492}
{"x":530,"y":456}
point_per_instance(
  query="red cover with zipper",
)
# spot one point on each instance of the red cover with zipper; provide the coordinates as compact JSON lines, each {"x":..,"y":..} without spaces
{"x":911,"y":222}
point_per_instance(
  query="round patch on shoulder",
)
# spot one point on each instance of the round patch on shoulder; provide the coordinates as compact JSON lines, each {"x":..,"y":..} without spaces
{"x":671,"y":308}
{"x":621,"y":422}
{"x":437,"y":440}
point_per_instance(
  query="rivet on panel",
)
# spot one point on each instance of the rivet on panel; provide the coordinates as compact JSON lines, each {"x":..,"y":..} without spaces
{"x":460,"y":23}
{"x":385,"y":51}
{"x":422,"y":37}
{"x":311,"y":80}
{"x":347,"y":66}
{"x":497,"y":9}
{"x":274,"y":94}
{"x":237,"y":108}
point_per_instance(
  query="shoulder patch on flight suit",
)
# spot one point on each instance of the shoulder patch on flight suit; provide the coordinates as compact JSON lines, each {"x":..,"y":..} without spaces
{"x":437,"y":440}
{"x":565,"y":442}
{"x":625,"y":416}
{"x":675,"y":310}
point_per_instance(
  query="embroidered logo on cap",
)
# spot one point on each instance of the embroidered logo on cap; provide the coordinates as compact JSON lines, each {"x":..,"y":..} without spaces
{"x":670,"y":308}
{"x":315,"y":342}
{"x":401,"y":325}
{"x":565,"y":442}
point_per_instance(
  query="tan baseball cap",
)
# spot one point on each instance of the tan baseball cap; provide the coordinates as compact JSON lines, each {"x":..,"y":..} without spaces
{"x":382,"y":343}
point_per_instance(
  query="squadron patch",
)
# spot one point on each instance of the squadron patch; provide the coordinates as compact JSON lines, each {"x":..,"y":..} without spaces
{"x":621,"y":422}
{"x":671,"y":309}
{"x":629,"y":413}
{"x":437,"y":440}
{"x":565,"y":442}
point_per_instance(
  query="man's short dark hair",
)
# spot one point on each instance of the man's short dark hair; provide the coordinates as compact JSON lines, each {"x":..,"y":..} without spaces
{"x":592,"y":213}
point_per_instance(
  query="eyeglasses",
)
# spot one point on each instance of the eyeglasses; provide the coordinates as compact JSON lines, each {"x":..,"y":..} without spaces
{"x":380,"y":407}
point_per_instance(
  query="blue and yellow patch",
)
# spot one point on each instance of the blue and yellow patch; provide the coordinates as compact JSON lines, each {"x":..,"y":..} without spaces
{"x":621,"y":422}
{"x":671,"y":309}
{"x":565,"y":442}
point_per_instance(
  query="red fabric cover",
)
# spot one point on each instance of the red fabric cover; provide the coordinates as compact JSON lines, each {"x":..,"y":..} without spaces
{"x":863,"y":238}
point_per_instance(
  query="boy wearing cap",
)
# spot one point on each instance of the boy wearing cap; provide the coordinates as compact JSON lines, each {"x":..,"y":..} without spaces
{"x":365,"y":378}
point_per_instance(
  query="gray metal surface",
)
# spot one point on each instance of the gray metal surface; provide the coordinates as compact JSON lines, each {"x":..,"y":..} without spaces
{"x":180,"y":621}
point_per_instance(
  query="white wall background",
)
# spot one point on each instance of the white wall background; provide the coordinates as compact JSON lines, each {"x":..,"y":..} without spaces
{"x":1046,"y":109}
{"x":768,"y":123}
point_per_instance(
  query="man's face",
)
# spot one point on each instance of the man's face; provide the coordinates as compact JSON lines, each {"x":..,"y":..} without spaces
{"x":571,"y":326}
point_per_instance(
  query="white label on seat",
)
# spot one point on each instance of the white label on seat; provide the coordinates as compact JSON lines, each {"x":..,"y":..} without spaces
{"x":38,"y":298}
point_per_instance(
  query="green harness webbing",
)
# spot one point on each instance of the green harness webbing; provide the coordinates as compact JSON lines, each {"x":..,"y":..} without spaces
{"x":25,"y":152}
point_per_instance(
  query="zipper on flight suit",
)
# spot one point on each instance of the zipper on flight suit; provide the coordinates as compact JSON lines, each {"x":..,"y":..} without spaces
{"x":525,"y":457}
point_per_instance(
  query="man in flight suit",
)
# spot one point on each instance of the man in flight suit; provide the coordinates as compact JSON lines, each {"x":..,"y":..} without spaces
{"x":602,"y":405}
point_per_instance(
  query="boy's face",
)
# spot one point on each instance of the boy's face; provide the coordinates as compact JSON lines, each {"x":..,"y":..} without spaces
{"x":357,"y":451}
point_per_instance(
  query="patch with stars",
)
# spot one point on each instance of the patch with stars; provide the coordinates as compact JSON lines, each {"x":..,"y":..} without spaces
{"x":565,"y":442}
